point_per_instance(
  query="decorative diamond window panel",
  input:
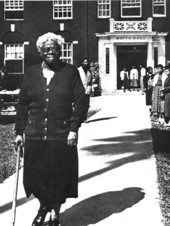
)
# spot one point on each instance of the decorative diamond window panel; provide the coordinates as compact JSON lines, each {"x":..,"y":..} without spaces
{"x":131,"y":26}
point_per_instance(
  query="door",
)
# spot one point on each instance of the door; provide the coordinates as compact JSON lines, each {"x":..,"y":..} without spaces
{"x":129,"y":55}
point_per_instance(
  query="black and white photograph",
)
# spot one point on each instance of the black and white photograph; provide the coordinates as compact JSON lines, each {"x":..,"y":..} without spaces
{"x":84,"y":112}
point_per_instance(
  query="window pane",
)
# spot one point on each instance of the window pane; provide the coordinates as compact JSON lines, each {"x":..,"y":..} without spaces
{"x":159,"y":10}
{"x":14,"y":66}
{"x":131,"y":11}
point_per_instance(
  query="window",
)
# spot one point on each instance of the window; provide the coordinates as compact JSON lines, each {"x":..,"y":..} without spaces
{"x":131,"y":8}
{"x":104,"y":8}
{"x":107,"y":61}
{"x":159,"y":8}
{"x":14,"y":58}
{"x":13,"y":10}
{"x":62,"y":9}
{"x":67,"y":52}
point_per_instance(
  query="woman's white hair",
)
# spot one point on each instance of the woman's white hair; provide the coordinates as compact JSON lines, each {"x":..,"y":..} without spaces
{"x":49,"y":37}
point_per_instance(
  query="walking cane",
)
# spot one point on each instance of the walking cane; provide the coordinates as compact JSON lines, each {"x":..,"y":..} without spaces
{"x":19,"y":148}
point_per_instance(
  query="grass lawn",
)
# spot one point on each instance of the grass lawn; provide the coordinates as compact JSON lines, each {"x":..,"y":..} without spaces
{"x":7,"y":151}
{"x":161,"y":145}
{"x":163,"y":171}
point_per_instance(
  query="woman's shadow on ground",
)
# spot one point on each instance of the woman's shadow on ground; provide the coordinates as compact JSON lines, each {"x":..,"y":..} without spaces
{"x":101,"y":206}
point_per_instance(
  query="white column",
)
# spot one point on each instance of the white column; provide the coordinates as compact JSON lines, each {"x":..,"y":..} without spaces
{"x":150,"y":61}
{"x":114,"y":65}
{"x":149,"y":22}
{"x":161,"y":51}
{"x":111,"y":24}
{"x":101,"y":61}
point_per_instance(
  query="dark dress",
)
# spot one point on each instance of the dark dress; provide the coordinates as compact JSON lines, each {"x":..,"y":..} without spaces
{"x":157,"y":102}
{"x":126,"y":81}
{"x":148,"y":90}
{"x":167,"y":97}
{"x":50,"y":171}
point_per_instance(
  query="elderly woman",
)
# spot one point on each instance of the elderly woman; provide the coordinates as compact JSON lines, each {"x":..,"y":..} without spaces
{"x":49,"y":113}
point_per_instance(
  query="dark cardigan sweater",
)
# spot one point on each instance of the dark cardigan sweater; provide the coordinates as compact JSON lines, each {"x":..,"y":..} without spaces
{"x":50,"y":112}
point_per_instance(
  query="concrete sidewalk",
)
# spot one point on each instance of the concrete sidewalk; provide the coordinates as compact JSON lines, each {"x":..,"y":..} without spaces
{"x":117,"y":182}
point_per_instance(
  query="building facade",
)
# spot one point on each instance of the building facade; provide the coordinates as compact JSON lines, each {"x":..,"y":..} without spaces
{"x":115,"y":33}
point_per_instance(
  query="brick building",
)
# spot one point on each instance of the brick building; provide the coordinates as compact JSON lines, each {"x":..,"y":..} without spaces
{"x":116,"y":33}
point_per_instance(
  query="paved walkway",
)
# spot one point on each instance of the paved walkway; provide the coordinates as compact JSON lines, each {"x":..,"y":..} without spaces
{"x":117,"y":183}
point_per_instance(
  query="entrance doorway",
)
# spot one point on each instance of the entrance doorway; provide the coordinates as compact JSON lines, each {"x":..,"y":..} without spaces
{"x":129,"y":55}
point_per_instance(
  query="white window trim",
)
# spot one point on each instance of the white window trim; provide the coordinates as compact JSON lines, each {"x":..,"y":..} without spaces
{"x":98,"y":4}
{"x":68,"y":58}
{"x":15,"y":9}
{"x":21,"y":59}
{"x":132,"y":16}
{"x":63,"y":18}
{"x":159,"y":15}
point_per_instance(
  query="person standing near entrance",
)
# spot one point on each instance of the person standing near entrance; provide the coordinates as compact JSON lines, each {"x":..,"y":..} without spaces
{"x":121,"y":78}
{"x":148,"y":90}
{"x":157,"y":84}
{"x":142,"y":75}
{"x":124,"y":75}
{"x":86,"y":78}
{"x":134,"y":78}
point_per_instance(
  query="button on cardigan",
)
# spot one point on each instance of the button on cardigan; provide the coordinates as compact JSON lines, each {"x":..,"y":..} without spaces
{"x":49,"y":112}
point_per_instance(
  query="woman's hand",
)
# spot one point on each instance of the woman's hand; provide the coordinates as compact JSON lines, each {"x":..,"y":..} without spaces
{"x":18,"y":141}
{"x":72,"y":139}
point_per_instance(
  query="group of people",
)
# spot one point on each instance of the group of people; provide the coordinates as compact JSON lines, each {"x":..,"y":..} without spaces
{"x":158,"y":91}
{"x":156,"y":84}
{"x":133,"y":80}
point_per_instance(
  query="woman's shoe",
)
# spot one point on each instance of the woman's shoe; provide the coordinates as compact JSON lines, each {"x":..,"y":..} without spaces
{"x":54,"y":218}
{"x":54,"y":222}
{"x":39,"y":219}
